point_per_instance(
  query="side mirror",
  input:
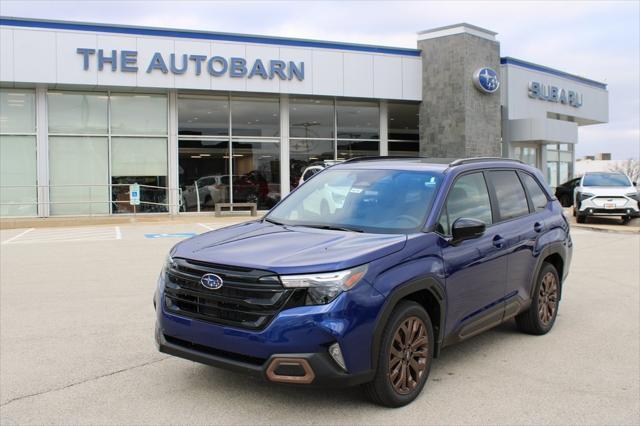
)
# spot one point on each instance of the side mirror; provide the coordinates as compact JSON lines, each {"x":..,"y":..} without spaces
{"x":635,"y":183}
{"x":466,"y":229}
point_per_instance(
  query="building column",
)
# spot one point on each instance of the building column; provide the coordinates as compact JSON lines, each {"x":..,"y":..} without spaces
{"x":172,"y":153}
{"x":285,"y":168}
{"x":457,"y":119}
{"x":42,"y":151}
{"x":384,"y":128}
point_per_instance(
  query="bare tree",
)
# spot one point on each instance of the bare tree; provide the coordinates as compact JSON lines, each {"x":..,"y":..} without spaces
{"x":629,"y":167}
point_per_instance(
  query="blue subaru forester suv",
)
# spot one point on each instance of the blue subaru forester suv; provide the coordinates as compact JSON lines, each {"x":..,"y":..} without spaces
{"x":366,"y":271}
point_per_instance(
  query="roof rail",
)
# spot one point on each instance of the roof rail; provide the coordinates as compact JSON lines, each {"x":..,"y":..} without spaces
{"x":461,"y":161}
{"x":378,"y":157}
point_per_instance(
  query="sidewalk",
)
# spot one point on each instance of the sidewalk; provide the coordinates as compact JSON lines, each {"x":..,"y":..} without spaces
{"x":51,"y":222}
{"x":605,"y":224}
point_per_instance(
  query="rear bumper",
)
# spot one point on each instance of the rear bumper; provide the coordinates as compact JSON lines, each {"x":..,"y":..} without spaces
{"x":320,"y":370}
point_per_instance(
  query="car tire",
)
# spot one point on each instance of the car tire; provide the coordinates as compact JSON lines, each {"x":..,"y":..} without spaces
{"x":581,"y":218}
{"x":542,"y":313}
{"x":626,"y":220}
{"x":574,"y":212}
{"x":403,"y":372}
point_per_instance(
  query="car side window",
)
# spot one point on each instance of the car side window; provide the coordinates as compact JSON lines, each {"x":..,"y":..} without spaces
{"x":538,"y":198}
{"x":468,"y":198}
{"x":510,"y":195}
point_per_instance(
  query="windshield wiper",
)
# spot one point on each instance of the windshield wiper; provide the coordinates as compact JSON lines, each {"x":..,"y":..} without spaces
{"x":272,"y":221}
{"x":334,"y":228}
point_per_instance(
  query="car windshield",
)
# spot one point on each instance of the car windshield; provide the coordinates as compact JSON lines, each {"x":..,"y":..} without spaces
{"x":605,"y":179}
{"x":377,"y":201}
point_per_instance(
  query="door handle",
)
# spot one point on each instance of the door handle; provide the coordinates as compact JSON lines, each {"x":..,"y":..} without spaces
{"x":537,"y":227}
{"x":498,"y":241}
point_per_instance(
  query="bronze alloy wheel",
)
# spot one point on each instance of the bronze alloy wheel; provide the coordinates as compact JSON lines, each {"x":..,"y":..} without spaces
{"x":548,"y":298}
{"x":408,"y":355}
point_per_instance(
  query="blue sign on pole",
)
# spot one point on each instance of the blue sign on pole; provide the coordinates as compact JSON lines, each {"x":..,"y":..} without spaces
{"x":134,"y":194}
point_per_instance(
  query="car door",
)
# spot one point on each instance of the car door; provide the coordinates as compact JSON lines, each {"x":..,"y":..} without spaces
{"x":475,"y":270}
{"x":519,"y":228}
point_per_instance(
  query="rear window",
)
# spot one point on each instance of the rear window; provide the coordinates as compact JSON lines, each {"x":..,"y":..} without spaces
{"x":538,"y":198}
{"x":512,"y":201}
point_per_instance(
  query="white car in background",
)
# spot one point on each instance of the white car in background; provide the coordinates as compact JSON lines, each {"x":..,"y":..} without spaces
{"x":606,"y":194}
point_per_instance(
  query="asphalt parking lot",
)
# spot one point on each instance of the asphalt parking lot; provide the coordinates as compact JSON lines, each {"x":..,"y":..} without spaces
{"x":76,"y":346}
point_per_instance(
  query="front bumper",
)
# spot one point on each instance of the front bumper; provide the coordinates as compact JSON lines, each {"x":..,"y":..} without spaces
{"x":324,"y":371}
{"x":609,"y":206}
{"x":302,"y":334}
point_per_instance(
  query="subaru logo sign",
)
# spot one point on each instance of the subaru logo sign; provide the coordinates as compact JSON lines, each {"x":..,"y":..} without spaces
{"x":486,"y":80}
{"x":211,"y":281}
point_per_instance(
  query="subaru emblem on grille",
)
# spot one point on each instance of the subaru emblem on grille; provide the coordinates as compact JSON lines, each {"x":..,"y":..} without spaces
{"x":211,"y":281}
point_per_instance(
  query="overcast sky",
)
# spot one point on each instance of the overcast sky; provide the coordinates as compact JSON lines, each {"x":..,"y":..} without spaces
{"x":598,"y":40}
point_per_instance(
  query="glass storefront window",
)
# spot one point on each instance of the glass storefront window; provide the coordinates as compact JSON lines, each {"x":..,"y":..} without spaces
{"x":203,"y":173}
{"x":138,"y":114}
{"x":304,"y":152}
{"x":526,"y":154}
{"x":203,"y":116}
{"x":17,"y":111}
{"x":18,"y":176}
{"x":255,"y":116}
{"x":404,"y":148}
{"x":77,"y":112}
{"x":552,"y":174}
{"x":559,"y":163}
{"x":403,"y":121}
{"x":311,"y":118}
{"x":76,"y":163}
{"x":358,"y":120}
{"x":350,"y":149}
{"x":142,"y":161}
{"x":256,"y":173}
{"x":18,"y":169}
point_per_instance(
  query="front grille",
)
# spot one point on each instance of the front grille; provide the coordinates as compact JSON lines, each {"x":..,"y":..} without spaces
{"x":249,"y":298}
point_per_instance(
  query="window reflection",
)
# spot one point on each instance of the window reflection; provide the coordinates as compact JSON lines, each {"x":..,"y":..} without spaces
{"x":203,"y":173}
{"x":256,"y":167}
{"x":255,"y":116}
{"x":305,"y":152}
{"x":203,"y":116}
{"x":358,"y":120}
{"x":311,"y":118}
{"x":351,"y":149}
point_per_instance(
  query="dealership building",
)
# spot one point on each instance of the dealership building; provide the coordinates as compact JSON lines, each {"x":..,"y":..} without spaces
{"x":91,"y":113}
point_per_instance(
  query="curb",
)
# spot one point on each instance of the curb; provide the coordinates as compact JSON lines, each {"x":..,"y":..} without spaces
{"x":611,"y":231}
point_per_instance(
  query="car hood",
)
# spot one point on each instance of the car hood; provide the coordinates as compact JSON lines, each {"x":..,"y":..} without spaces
{"x":288,"y":249}
{"x":607,"y":191}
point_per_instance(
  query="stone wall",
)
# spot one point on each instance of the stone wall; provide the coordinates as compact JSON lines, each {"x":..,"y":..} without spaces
{"x":456,"y":119}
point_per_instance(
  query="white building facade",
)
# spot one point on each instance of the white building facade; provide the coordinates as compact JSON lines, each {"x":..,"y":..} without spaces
{"x":198,"y":118}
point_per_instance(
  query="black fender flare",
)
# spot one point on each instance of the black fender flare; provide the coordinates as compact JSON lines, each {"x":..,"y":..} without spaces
{"x":430,"y":284}
{"x":554,"y":248}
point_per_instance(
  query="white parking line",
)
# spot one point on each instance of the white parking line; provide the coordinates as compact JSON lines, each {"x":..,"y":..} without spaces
{"x":118,"y":233}
{"x":206,"y":226}
{"x":15,"y":237}
{"x":64,"y":235}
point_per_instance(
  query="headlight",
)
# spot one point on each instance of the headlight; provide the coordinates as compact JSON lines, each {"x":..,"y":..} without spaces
{"x":584,"y":195}
{"x":325,"y":287}
{"x":634,"y":195}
